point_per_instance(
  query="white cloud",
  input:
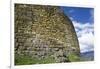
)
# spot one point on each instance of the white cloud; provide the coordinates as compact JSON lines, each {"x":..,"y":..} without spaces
{"x":85,"y":35}
{"x":71,"y":11}
{"x":86,"y":42}
{"x":82,"y":25}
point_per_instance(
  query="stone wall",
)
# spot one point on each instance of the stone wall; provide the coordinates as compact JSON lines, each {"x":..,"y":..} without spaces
{"x":44,"y":31}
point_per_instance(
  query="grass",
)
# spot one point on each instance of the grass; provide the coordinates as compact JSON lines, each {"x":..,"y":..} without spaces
{"x":73,"y":58}
{"x":26,"y":60}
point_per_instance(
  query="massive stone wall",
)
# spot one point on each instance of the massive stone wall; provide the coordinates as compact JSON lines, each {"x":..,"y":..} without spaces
{"x":44,"y":31}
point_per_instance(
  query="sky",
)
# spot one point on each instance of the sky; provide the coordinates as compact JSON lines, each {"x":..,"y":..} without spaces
{"x":83,"y":21}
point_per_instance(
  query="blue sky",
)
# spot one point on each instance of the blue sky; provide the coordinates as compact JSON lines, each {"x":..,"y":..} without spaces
{"x":79,"y":14}
{"x":83,"y":21}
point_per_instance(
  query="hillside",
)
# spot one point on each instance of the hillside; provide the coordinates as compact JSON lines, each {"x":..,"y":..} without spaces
{"x":87,"y":56}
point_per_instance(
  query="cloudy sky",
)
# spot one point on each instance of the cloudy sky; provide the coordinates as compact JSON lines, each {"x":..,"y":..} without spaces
{"x":83,"y":21}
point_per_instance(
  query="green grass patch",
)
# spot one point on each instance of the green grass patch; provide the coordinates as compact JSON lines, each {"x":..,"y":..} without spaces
{"x":26,"y":60}
{"x":73,"y":57}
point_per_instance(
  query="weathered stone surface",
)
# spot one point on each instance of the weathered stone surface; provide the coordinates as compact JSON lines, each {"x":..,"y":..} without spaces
{"x":44,"y":31}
